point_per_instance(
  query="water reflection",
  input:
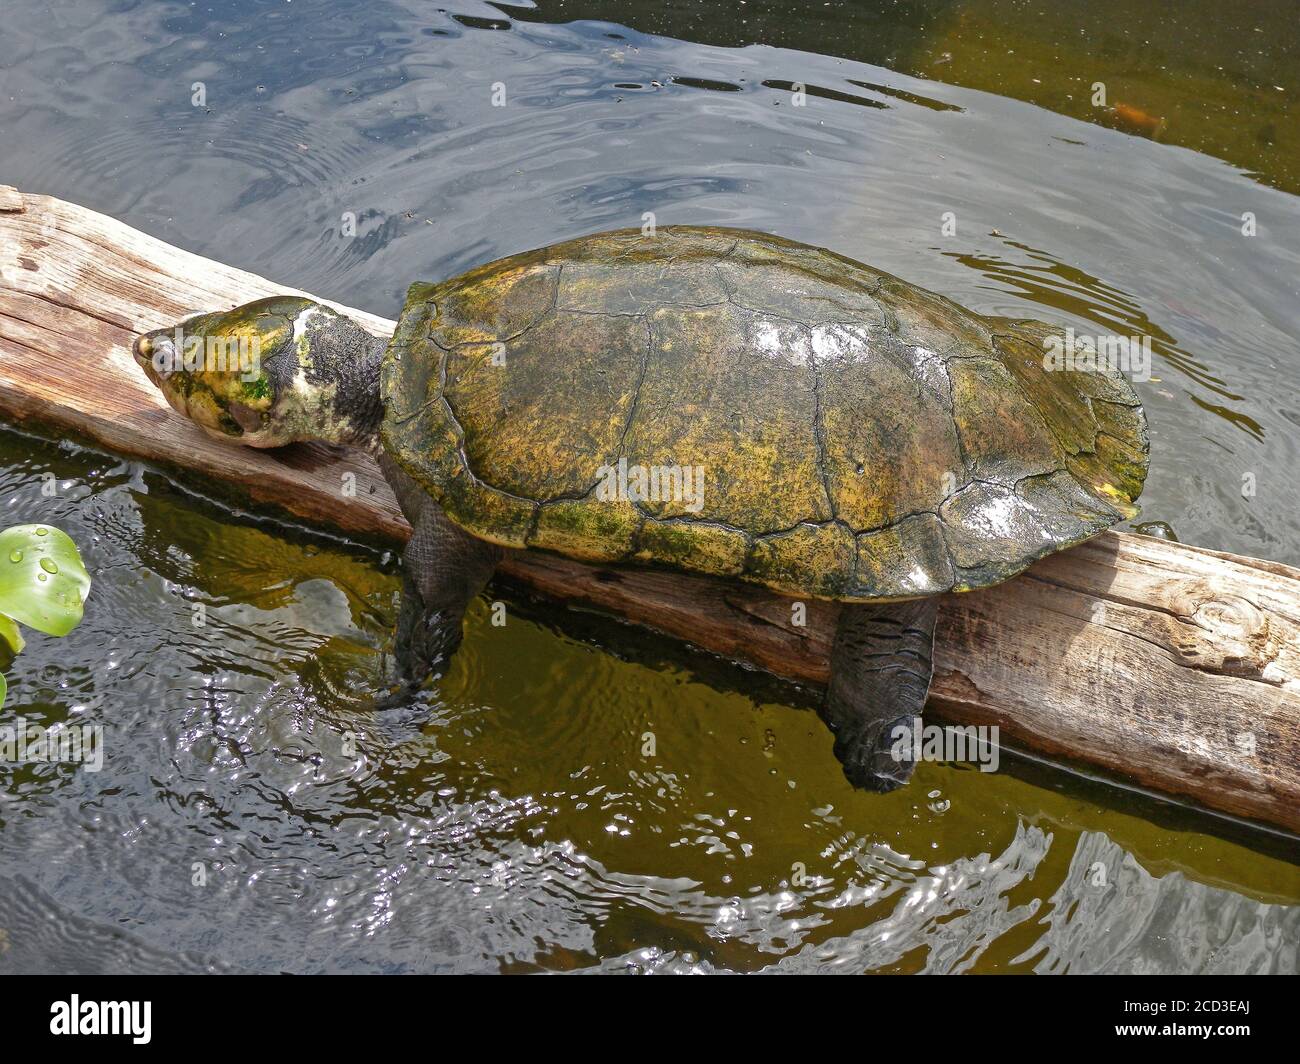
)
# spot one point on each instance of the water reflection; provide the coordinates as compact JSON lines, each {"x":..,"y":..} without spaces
{"x":510,"y":821}
{"x":253,"y":815}
{"x":378,"y":120}
{"x":1220,"y":82}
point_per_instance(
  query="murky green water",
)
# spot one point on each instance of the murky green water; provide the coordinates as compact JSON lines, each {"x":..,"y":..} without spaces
{"x":511,"y":822}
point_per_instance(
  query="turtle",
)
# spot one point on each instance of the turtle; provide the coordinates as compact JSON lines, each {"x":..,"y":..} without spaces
{"x":711,"y":401}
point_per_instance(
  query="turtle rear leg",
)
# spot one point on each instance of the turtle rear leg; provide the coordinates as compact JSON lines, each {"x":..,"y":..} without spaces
{"x":443,"y":569}
{"x":880,"y":675}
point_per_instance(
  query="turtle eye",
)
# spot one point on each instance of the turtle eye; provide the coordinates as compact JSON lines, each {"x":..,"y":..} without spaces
{"x":163,"y":358}
{"x":157,"y":354}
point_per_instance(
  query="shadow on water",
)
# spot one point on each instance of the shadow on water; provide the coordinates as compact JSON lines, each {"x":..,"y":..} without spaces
{"x":252,"y":813}
{"x":1105,"y":796}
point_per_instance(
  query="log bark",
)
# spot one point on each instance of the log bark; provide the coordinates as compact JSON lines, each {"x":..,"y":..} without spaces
{"x":1175,"y":667}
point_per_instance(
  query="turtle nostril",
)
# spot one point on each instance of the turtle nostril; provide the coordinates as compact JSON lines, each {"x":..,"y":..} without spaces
{"x":143,"y":346}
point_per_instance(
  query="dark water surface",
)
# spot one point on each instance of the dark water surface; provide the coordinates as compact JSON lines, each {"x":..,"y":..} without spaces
{"x":511,"y":822}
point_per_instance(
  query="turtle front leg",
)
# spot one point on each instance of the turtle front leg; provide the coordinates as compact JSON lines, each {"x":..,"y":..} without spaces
{"x":443,"y":569}
{"x":880,"y":675}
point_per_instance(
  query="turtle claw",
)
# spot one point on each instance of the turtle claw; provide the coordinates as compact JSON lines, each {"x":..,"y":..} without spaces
{"x":869,"y":760}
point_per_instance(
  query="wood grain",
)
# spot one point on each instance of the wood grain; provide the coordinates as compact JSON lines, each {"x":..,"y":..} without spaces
{"x":1172,"y":666}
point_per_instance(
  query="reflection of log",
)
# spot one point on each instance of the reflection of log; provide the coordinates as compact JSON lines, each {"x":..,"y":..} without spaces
{"x":1176,"y":667}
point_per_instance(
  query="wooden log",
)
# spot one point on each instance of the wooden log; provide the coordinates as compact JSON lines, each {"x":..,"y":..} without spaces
{"x":1171,"y":666}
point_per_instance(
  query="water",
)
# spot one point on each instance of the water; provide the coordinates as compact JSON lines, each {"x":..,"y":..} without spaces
{"x":251,"y":815}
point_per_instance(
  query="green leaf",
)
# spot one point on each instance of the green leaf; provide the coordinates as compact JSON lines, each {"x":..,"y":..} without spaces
{"x":3,"y":688}
{"x":10,"y":634}
{"x":43,"y":583}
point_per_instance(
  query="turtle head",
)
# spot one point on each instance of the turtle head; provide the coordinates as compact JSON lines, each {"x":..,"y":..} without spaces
{"x":273,"y":372}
